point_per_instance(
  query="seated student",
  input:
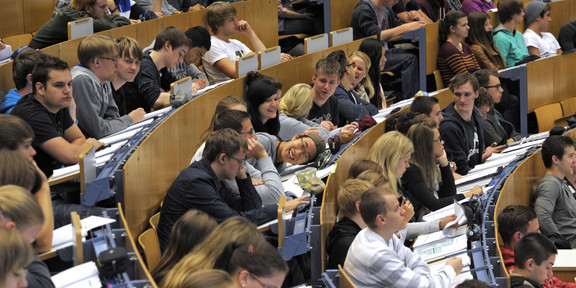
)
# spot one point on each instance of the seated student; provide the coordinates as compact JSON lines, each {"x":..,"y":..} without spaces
{"x":57,"y":139}
{"x":534,"y":256}
{"x":410,"y":11}
{"x":262,"y":96}
{"x":21,"y":69}
{"x":199,"y":45}
{"x":17,"y":169}
{"x":219,"y":62}
{"x":16,"y":253}
{"x":302,"y":21}
{"x":509,"y":41}
{"x":147,"y":90}
{"x":262,"y":170}
{"x":349,"y":224}
{"x":204,"y":255}
{"x":496,"y":129}
{"x":325,"y":110}
{"x":128,"y":66}
{"x":514,"y":222}
{"x":377,"y":258}
{"x":201,"y":186}
{"x":462,"y":128}
{"x":127,"y":9}
{"x":470,"y":6}
{"x":429,"y":107}
{"x":209,"y":278}
{"x":301,"y":149}
{"x":567,"y":36}
{"x":434,"y":9}
{"x":362,"y":84}
{"x":375,"y":50}
{"x":537,"y":20}
{"x":555,"y":205}
{"x":455,"y":56}
{"x":374,"y":17}
{"x":351,"y":107}
{"x":427,"y":187}
{"x":191,"y":229}
{"x":22,"y":213}
{"x":56,"y":29}
{"x":97,"y":112}
{"x":294,"y":107}
{"x":256,"y":264}
{"x":481,"y":42}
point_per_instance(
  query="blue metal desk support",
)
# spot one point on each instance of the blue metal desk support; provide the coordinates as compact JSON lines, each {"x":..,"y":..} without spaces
{"x":519,"y":73}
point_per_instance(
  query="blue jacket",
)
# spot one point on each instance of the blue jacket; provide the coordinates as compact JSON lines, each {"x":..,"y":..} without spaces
{"x":351,"y":107}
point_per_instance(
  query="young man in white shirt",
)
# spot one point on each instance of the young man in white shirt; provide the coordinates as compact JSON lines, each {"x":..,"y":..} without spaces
{"x":537,"y":20}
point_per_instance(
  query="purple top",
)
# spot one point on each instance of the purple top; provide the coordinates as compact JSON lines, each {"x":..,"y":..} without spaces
{"x":469,"y":6}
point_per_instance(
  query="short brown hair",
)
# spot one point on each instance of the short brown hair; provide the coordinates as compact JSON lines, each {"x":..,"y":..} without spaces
{"x":327,"y":66}
{"x":129,"y":47}
{"x":225,"y":141}
{"x":217,"y":13}
{"x":81,"y":5}
{"x":372,"y":204}
{"x":95,"y":46}
{"x":24,"y":64}
{"x":508,"y":8}
{"x":484,"y":98}
{"x":350,"y":192}
{"x":14,"y":131}
{"x":463,"y":78}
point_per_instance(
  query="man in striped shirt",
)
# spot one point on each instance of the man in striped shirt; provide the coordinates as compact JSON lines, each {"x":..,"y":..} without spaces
{"x":378,"y":259}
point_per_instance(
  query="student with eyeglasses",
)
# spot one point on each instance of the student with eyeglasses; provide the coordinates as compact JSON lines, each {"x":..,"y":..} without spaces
{"x":201,"y":186}
{"x":429,"y":182}
{"x":496,"y":129}
{"x":351,"y":107}
{"x":97,"y":113}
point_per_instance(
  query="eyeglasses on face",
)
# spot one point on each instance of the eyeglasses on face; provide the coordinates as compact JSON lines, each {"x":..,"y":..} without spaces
{"x":113,"y":59}
{"x":239,"y":161}
{"x":497,"y":86}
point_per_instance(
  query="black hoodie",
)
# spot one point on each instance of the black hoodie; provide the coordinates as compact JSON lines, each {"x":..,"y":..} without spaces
{"x":339,"y":240}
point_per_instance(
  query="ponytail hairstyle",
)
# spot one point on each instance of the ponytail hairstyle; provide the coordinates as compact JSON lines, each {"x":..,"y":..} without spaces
{"x":259,"y":258}
{"x":451,"y":20}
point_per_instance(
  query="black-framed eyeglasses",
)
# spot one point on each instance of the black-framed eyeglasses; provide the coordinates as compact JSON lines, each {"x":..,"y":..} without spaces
{"x":115,"y":59}
{"x":497,"y":86}
{"x":248,"y":132}
{"x":353,"y":64}
{"x":132,"y":61}
{"x":239,"y":161}
{"x":439,"y":139}
{"x":264,"y":285}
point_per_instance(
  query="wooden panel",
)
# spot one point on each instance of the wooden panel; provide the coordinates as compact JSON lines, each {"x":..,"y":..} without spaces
{"x":265,"y":27}
{"x":36,"y":13}
{"x":540,"y":85}
{"x":53,"y":50}
{"x":68,"y":51}
{"x":445,"y":97}
{"x":568,"y":106}
{"x":563,"y":76}
{"x":560,"y":15}
{"x":146,"y":32}
{"x":12,"y":20}
{"x":6,"y":82}
{"x":181,"y":21}
{"x":341,"y":13}
{"x":18,"y":41}
{"x":128,"y":31}
{"x":432,"y":47}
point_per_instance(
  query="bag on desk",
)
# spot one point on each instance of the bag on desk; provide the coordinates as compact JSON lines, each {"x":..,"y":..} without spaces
{"x":113,"y":261}
{"x":559,"y":241}
{"x":473,"y":210}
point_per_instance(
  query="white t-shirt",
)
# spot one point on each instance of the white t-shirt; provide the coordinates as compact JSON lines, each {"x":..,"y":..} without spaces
{"x":219,"y":50}
{"x":547,"y":44}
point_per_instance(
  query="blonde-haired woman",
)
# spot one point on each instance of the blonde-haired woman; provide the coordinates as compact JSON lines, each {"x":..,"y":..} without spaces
{"x":294,"y":108}
{"x":204,"y":255}
{"x":20,"y":211}
{"x":362,"y":83}
{"x":209,"y":278}
{"x":15,"y":254}
{"x":393,"y":151}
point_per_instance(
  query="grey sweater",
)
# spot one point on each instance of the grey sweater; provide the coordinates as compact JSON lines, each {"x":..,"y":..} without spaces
{"x":290,"y":127}
{"x":96,"y":110}
{"x":556,"y":208}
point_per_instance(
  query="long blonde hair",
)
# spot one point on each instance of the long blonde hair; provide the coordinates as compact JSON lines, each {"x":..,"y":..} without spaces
{"x":15,"y":253}
{"x":208,"y":278}
{"x":387,"y":151}
{"x":297,"y":101}
{"x":366,"y":82}
{"x":18,"y":205}
{"x":204,"y":255}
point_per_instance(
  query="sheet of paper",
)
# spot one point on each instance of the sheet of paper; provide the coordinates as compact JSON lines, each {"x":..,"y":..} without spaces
{"x":120,"y":137}
{"x":452,"y":226}
{"x":565,"y":258}
{"x":442,"y":248}
{"x":477,"y":175}
{"x":441,"y":213}
{"x":81,"y":276}
{"x":64,"y":234}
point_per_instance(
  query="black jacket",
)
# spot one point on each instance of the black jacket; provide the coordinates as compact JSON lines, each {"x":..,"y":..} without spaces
{"x":365,"y":23}
{"x":339,"y":240}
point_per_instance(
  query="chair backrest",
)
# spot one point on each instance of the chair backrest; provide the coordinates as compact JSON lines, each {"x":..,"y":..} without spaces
{"x":344,"y":280}
{"x":154,"y":221}
{"x":17,"y":41}
{"x":546,"y":115}
{"x":269,"y":57}
{"x":341,"y":36}
{"x":78,"y":251}
{"x":151,"y":246}
{"x":569,"y":106}
{"x":438,"y":80}
{"x":184,"y":85}
{"x":316,"y":43}
{"x":246,"y":64}
{"x":80,"y":28}
{"x":87,"y":161}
